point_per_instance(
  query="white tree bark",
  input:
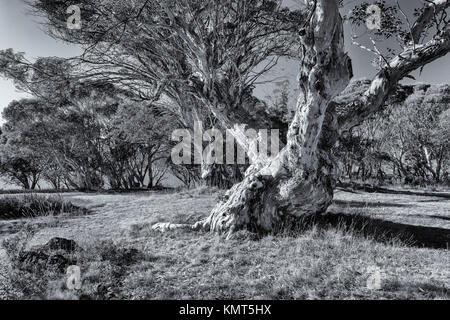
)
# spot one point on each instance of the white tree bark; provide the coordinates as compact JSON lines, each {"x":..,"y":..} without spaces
{"x":300,"y":180}
{"x":297,"y":181}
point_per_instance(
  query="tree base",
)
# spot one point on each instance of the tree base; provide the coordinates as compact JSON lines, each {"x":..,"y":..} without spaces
{"x":264,"y":203}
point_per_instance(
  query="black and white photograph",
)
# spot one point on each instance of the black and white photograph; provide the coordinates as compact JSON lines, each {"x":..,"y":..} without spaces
{"x":226,"y":151}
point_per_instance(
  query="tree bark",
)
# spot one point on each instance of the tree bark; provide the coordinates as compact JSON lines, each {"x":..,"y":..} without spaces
{"x":299,"y":180}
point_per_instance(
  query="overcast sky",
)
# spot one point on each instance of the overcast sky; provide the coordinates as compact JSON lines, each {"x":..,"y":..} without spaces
{"x":24,"y":34}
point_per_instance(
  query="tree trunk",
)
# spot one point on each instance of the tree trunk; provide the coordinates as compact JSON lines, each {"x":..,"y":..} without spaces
{"x":25,"y":183}
{"x":299,"y":180}
{"x":150,"y":176}
{"x":34,"y":181}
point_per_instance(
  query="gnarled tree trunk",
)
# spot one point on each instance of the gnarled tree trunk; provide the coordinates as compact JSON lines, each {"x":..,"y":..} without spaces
{"x":299,"y":180}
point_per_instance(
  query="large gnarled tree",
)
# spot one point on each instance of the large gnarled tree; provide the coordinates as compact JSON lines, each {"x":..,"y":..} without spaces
{"x":208,"y":54}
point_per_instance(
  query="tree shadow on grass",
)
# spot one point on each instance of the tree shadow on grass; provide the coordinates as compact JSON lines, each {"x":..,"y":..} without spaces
{"x":433,"y":200}
{"x":353,"y":188}
{"x":380,"y":230}
{"x":430,"y":290}
{"x":444,"y":195}
{"x":368,"y":204}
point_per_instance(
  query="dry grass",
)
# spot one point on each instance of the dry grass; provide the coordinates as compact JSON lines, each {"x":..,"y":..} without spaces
{"x":33,"y":205}
{"x":328,"y":259}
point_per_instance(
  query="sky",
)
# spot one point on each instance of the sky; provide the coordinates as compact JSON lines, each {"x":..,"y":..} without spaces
{"x":23,"y":33}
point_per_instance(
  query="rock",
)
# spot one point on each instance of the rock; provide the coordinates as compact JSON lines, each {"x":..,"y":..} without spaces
{"x":55,"y":254}
{"x":30,"y":259}
{"x":62,"y":244}
{"x":60,"y":262}
{"x":35,"y":260}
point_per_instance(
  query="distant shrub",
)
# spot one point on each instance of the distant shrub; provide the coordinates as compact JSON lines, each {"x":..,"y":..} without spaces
{"x":31,"y":205}
{"x":34,"y":191}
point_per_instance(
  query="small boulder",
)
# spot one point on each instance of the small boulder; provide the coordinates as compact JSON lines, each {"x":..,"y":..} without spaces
{"x":55,"y":254}
{"x":67,"y":245}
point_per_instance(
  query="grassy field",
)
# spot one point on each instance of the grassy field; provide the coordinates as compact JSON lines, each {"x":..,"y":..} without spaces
{"x":401,"y":238}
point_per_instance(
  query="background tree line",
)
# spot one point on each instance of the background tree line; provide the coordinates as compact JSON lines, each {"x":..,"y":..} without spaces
{"x":83,"y":135}
{"x":95,"y":136}
{"x":406,"y":142}
{"x":81,"y":131}
{"x":90,"y":135}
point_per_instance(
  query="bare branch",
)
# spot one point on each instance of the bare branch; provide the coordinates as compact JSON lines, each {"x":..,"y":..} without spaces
{"x":426,"y":17}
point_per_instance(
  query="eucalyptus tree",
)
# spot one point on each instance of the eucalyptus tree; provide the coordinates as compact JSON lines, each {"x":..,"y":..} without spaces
{"x":21,"y":162}
{"x":139,"y":146}
{"x":210,"y":54}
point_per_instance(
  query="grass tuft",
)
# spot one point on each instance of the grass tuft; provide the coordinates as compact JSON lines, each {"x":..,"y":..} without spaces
{"x":33,"y":205}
